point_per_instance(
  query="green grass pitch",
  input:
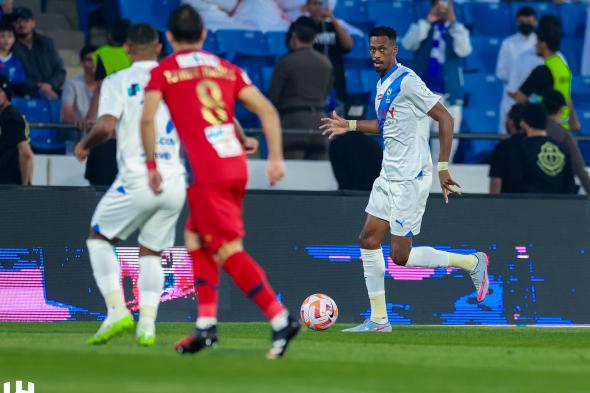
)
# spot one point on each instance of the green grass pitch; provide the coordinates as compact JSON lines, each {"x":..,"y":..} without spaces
{"x":412,"y":359}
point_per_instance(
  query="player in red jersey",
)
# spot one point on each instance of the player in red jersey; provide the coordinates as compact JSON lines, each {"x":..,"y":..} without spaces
{"x":201,"y":90}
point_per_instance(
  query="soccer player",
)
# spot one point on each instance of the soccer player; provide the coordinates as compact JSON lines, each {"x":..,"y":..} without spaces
{"x":201,"y":90}
{"x":399,"y":194}
{"x":129,"y":204}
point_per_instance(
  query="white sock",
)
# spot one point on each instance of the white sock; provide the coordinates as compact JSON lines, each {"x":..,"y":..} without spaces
{"x":374,"y":269}
{"x":151,"y":283}
{"x":107,"y":274}
{"x":428,"y":257}
{"x":205,"y":322}
{"x":280,"y":321}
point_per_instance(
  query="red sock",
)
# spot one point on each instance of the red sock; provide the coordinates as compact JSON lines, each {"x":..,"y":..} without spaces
{"x":251,"y":279}
{"x":206,"y":274}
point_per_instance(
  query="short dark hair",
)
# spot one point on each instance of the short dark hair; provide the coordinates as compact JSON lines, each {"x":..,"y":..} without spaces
{"x":304,"y":28}
{"x":142,"y":34}
{"x":549,"y":20}
{"x":553,"y":101}
{"x":22,"y":13}
{"x":525,"y":11}
{"x":6,"y":27}
{"x":515,"y":114}
{"x":86,"y":50}
{"x":535,"y":116}
{"x":185,"y":24}
{"x":119,"y":30}
{"x":381,"y":31}
{"x":550,"y":35}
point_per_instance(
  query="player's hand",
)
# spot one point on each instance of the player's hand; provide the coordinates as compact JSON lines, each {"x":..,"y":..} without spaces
{"x":275,"y":170}
{"x":155,"y":181}
{"x":334,"y":125}
{"x":446,"y":185}
{"x":251,"y":145}
{"x":81,"y":152}
{"x":46,"y":90}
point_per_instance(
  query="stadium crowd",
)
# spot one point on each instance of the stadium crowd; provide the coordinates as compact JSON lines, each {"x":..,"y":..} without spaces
{"x":312,"y":58}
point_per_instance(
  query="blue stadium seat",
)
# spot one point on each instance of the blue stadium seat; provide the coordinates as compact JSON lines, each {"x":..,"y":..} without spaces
{"x":353,"y":11}
{"x":541,"y":8}
{"x":369,"y":80}
{"x":354,"y":85}
{"x":38,"y":111}
{"x":397,"y":14}
{"x":154,"y":12}
{"x":573,"y":18}
{"x":358,"y":57}
{"x":403,"y":55}
{"x":485,"y":54}
{"x":583,"y":111}
{"x":489,"y":19}
{"x":210,"y":44}
{"x":480,"y":116}
{"x":276,"y":41}
{"x":247,"y":49}
{"x":85,"y":8}
{"x":572,"y":50}
{"x":581,"y":89}
{"x":266,"y":75}
{"x":483,"y":90}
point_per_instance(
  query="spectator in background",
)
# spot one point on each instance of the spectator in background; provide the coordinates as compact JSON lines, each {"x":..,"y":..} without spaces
{"x":101,"y":165}
{"x":16,"y":156}
{"x":554,"y":74}
{"x":503,"y":178}
{"x":512,"y":47}
{"x":334,"y":41}
{"x":555,"y":104}
{"x":300,"y":84}
{"x":350,"y":172}
{"x":536,"y":163}
{"x":78,"y":91}
{"x":440,"y":43}
{"x":10,"y":66}
{"x":43,"y":66}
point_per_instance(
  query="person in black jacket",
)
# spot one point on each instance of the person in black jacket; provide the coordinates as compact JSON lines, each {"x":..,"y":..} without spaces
{"x":44,"y":67}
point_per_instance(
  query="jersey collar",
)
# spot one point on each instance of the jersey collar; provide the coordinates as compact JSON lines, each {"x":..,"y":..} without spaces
{"x":145,"y":63}
{"x":389,"y":73}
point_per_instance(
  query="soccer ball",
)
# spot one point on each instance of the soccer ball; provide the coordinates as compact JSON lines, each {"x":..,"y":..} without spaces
{"x":319,"y":312}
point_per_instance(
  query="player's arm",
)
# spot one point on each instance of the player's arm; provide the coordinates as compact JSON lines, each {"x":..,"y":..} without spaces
{"x":257,"y":103}
{"x":151,"y":102}
{"x":445,"y":134}
{"x":102,"y":131}
{"x":25,"y":162}
{"x":335,"y":125}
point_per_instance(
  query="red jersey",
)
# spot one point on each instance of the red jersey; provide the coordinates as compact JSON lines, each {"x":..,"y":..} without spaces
{"x":200,"y":90}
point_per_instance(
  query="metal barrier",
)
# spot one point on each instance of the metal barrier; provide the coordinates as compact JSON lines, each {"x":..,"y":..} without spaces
{"x":258,"y":131}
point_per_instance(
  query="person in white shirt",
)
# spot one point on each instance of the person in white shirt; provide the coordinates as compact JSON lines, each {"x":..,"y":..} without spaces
{"x":512,"y":47}
{"x":404,"y":107}
{"x":129,"y":204}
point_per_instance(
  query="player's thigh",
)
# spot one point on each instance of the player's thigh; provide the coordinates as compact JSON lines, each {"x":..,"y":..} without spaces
{"x":158,"y":232}
{"x":408,"y":201}
{"x":117,"y":213}
{"x":400,"y":248}
{"x":216,"y":213}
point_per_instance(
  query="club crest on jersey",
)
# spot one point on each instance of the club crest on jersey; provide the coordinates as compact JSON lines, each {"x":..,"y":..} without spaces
{"x":133,"y":90}
{"x":387,"y":111}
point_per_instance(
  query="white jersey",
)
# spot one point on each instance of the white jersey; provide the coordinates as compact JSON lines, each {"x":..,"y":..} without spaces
{"x":402,"y":104}
{"x":122,"y":96}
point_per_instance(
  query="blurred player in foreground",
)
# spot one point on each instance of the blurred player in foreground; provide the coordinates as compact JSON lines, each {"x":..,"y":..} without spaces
{"x":201,"y":90}
{"x":129,"y":204}
{"x":399,"y":194}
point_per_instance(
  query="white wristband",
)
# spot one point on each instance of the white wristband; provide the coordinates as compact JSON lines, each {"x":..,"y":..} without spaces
{"x":352,"y":125}
{"x":442,"y":166}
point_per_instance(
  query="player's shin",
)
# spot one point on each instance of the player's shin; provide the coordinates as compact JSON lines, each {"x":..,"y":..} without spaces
{"x":151,"y":282}
{"x":374,"y":270}
{"x":206,"y":274}
{"x":106,"y":270}
{"x":251,"y":279}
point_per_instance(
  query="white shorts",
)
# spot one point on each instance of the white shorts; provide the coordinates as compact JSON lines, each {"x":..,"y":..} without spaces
{"x":401,"y":203}
{"x":128,"y":207}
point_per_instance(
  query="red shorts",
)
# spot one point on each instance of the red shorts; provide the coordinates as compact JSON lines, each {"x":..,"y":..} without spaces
{"x":216,"y":212}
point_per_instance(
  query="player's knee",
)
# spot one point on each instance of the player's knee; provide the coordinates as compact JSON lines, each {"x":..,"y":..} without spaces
{"x":400,"y":256}
{"x":227,"y":250}
{"x":367,"y":241}
{"x":191,"y":241}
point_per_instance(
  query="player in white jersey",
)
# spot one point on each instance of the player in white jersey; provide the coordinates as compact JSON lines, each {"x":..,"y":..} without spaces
{"x":129,"y":204}
{"x":399,"y":194}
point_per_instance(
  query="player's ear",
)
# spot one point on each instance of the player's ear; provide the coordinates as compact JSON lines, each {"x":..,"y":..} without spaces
{"x":159,"y":49}
{"x":170,"y":37}
{"x":203,"y":36}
